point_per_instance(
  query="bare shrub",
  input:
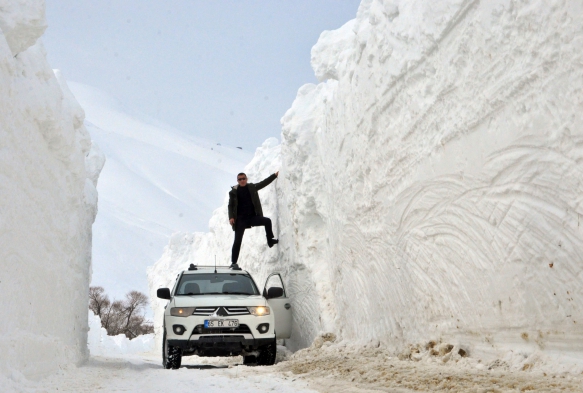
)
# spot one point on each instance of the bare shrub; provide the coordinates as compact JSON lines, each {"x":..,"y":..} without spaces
{"x":121,"y":316}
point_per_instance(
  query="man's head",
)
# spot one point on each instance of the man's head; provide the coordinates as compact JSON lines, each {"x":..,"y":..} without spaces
{"x":242,"y":179}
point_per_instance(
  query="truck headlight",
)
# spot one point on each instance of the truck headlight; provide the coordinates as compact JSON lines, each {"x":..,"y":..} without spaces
{"x":258,"y":311}
{"x":181,"y":311}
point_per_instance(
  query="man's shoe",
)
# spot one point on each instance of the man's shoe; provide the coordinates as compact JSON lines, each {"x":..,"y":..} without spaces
{"x":271,"y":242}
{"x":234,"y":266}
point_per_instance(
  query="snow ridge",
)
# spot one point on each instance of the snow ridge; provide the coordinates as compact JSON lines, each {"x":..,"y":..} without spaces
{"x":48,"y":173}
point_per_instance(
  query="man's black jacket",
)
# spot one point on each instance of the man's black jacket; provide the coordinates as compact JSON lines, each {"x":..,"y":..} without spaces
{"x":253,"y":188}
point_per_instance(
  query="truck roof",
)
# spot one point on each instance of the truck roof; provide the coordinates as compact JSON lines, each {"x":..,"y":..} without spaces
{"x":211,"y":269}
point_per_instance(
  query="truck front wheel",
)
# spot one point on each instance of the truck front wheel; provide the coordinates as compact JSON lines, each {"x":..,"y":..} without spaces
{"x":267,"y":354}
{"x":171,"y":355}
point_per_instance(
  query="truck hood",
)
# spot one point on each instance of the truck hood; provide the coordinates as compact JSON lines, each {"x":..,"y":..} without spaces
{"x":218,"y":300}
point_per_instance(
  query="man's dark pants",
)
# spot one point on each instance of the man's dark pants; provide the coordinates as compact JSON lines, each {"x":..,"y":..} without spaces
{"x":243,"y":222}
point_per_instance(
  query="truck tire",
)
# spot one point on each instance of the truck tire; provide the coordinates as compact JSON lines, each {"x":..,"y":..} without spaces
{"x":267,"y":354}
{"x":171,"y":356}
{"x":251,"y":359}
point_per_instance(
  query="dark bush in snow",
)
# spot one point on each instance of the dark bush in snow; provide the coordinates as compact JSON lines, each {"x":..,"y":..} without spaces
{"x":121,"y":316}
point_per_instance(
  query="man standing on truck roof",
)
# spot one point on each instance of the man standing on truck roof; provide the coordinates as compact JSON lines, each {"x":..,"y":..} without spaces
{"x":245,"y":212}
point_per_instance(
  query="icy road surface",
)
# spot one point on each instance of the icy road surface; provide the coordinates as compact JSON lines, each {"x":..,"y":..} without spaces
{"x":326,"y":369}
{"x":143,"y":373}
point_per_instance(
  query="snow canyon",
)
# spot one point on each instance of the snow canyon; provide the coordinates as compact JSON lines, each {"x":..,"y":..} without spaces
{"x":430,"y":189}
{"x":431,"y":185}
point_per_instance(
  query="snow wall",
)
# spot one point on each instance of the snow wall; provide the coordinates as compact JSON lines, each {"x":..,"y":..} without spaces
{"x":431,"y":185}
{"x":48,"y":174}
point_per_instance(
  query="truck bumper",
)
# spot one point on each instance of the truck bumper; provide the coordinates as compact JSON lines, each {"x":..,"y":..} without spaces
{"x":220,"y":345}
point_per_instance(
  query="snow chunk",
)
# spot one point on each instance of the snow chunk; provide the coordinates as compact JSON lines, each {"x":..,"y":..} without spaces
{"x":330,"y":54}
{"x":22,"y":23}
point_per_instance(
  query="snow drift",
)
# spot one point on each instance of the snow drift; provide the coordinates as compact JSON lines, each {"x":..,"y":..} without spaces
{"x":432,"y":185}
{"x":101,"y":344}
{"x":48,"y":174}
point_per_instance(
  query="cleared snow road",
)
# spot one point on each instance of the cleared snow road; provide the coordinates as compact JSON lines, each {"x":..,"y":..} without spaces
{"x":143,"y":373}
{"x":327,"y":370}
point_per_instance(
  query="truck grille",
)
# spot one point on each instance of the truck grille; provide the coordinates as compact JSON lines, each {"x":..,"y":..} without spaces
{"x":204,"y":310}
{"x":222,"y":311}
{"x":237,"y":310}
{"x":241,"y":329}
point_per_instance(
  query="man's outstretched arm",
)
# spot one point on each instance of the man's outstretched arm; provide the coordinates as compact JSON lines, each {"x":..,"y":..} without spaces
{"x":266,"y":182}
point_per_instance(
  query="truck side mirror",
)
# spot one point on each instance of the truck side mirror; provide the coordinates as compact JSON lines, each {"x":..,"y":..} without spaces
{"x":274,"y":292}
{"x":163,"y":293}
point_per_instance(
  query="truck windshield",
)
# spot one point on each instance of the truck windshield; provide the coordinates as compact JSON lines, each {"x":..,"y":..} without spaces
{"x":216,"y":284}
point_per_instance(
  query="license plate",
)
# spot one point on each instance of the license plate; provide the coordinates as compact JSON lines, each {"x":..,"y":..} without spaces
{"x":221,"y":323}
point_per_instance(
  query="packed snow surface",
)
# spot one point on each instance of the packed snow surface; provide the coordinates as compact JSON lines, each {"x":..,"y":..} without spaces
{"x":157,"y":181}
{"x":144,"y":374}
{"x":48,"y":174}
{"x":431,"y":186}
{"x":322,"y":368}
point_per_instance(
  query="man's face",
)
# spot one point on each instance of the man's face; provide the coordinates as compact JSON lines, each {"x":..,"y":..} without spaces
{"x":242,"y":180}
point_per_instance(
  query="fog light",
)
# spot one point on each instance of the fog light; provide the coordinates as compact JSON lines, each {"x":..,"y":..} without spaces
{"x":178,"y":329}
{"x":263,"y":328}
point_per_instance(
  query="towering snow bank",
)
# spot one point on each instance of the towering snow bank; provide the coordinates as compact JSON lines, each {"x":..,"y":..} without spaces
{"x":48,"y":174}
{"x":432,"y":185}
{"x":436,"y":178}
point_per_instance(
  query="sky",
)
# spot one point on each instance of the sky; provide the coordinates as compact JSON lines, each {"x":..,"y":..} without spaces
{"x":222,"y":70}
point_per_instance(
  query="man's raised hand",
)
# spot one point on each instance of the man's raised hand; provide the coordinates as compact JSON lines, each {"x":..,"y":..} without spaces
{"x":277,"y":174}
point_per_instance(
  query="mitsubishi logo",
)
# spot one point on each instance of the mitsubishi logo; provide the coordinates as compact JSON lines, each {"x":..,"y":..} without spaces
{"x":219,"y":312}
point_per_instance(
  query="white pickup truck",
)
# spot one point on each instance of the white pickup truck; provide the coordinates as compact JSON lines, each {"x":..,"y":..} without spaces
{"x":216,"y":311}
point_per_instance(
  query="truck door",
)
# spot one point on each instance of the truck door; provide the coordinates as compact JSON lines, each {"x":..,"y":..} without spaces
{"x":274,"y":292}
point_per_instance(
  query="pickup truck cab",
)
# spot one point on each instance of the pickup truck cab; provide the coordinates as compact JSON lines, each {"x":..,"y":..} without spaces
{"x":216,"y":311}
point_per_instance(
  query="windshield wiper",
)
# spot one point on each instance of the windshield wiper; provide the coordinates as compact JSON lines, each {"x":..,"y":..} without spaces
{"x":214,"y":293}
{"x":198,"y":294}
{"x":237,"y":293}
